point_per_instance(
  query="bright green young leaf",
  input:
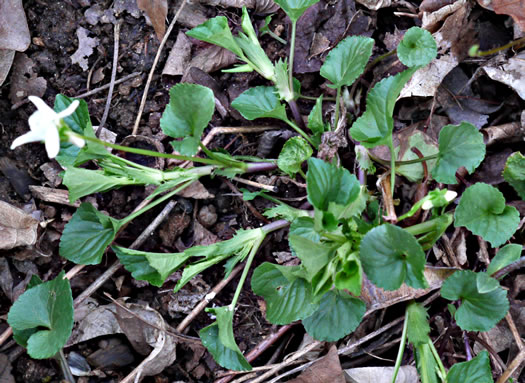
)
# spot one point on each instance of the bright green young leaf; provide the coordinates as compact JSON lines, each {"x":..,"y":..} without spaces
{"x":316,"y":123}
{"x":42,"y":317}
{"x":391,"y":256}
{"x":418,"y":327}
{"x":282,"y":84}
{"x":260,"y":102}
{"x":375,"y":126}
{"x":304,"y":227}
{"x":459,"y":145}
{"x":350,"y":271}
{"x":87,"y":235}
{"x":295,"y":8}
{"x":295,"y":151}
{"x":426,"y":364}
{"x":327,"y":183}
{"x":514,"y":173}
{"x":288,"y":297}
{"x":486,"y":284}
{"x":216,"y":31}
{"x":218,"y":338}
{"x":313,"y":255}
{"x":82,"y":182}
{"x":347,"y":60}
{"x":286,"y":212}
{"x":338,"y":315}
{"x":478,"y":311}
{"x":418,"y":47}
{"x":186,"y":116}
{"x":504,"y":257}
{"x":476,"y":370}
{"x":137,"y":264}
{"x":482,"y":210}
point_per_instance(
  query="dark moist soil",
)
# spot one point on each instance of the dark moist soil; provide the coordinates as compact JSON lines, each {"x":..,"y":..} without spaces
{"x":53,"y":26}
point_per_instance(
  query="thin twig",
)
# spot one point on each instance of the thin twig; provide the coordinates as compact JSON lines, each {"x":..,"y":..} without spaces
{"x":154,"y":66}
{"x":248,"y":204}
{"x":514,"y":330}
{"x":513,"y":366}
{"x":106,"y":86}
{"x":113,"y":75}
{"x":256,"y":184}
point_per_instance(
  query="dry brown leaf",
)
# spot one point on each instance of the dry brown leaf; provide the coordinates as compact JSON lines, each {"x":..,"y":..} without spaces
{"x":156,"y":10}
{"x":195,"y":190}
{"x":6,"y":60}
{"x":513,"y":8}
{"x":24,"y":81}
{"x":326,"y":369}
{"x":14,"y":32}
{"x":85,"y":48}
{"x":407,"y":374}
{"x":511,"y":73}
{"x":213,"y":58}
{"x":179,"y":57}
{"x":98,"y":322}
{"x":16,"y":227}
{"x":6,"y":282}
{"x":202,"y":236}
{"x":376,"y":298}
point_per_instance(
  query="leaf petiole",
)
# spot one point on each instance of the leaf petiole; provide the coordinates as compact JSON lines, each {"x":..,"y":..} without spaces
{"x":401,"y":350}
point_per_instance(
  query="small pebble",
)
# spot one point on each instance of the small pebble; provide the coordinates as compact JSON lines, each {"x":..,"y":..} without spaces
{"x":208,"y":216}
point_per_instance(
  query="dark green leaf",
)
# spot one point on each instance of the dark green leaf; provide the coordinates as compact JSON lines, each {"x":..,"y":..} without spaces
{"x":347,"y":60}
{"x":260,"y":102}
{"x":315,"y":121}
{"x":482,"y":210}
{"x":459,"y":145}
{"x":216,"y":31}
{"x":42,"y":317}
{"x":87,"y":235}
{"x":288,"y":297}
{"x":338,"y":315}
{"x":186,"y":116}
{"x":375,"y":126}
{"x":418,"y":327}
{"x":137,"y":264}
{"x":478,"y":311}
{"x":476,"y":370}
{"x":514,"y":173}
{"x":295,"y":151}
{"x":505,"y":256}
{"x":295,"y":8}
{"x":218,"y":338}
{"x":391,"y":256}
{"x":328,"y":183}
{"x":418,"y":47}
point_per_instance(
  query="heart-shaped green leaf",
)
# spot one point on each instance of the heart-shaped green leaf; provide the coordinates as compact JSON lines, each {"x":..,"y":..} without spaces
{"x":216,"y":31}
{"x":294,"y":152}
{"x":476,"y":370}
{"x":260,"y":102}
{"x":514,"y":173}
{"x":418,"y":47}
{"x":295,"y":8}
{"x":505,"y":256}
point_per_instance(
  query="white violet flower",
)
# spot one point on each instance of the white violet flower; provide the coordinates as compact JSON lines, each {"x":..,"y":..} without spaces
{"x":45,"y":124}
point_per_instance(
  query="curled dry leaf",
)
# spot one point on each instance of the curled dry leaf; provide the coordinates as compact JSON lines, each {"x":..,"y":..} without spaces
{"x":85,"y":48}
{"x":326,"y":369}
{"x":156,"y":10}
{"x":511,"y":73}
{"x":407,"y":374}
{"x":179,"y":57}
{"x":97,"y":322}
{"x":14,"y":34}
{"x":16,"y":227}
{"x":6,"y":60}
{"x":195,"y":190}
{"x":513,"y":8}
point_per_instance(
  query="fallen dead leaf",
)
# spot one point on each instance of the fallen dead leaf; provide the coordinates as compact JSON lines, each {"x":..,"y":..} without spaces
{"x":513,"y":8}
{"x":156,"y":11}
{"x":374,"y":5}
{"x":407,"y":374}
{"x":202,"y":236}
{"x":98,"y":322}
{"x":179,"y":57}
{"x":24,"y":81}
{"x":6,"y":282}
{"x":213,"y":58}
{"x":431,"y":20}
{"x":326,"y":369}
{"x":5,"y":370}
{"x":511,"y":73}
{"x":16,"y":227}
{"x":14,"y":33}
{"x":85,"y":48}
{"x":6,"y":60}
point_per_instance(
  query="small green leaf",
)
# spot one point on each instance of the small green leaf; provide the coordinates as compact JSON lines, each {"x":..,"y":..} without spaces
{"x":418,"y":327}
{"x":426,"y":364}
{"x":418,"y":47}
{"x":375,"y":126}
{"x":482,"y":210}
{"x":486,"y":284}
{"x":295,"y":8}
{"x":260,"y":102}
{"x":288,"y":297}
{"x":282,"y":84}
{"x":295,"y":151}
{"x":186,"y":116}
{"x":313,"y":255}
{"x":478,"y":311}
{"x":216,"y":31}
{"x":286,"y":212}
{"x":476,"y":370}
{"x":82,"y":182}
{"x":218,"y":338}
{"x":87,"y":235}
{"x":327,"y":183}
{"x":391,"y":256}
{"x":459,"y":145}
{"x":42,"y":317}
{"x":137,"y":264}
{"x":504,"y":257}
{"x":514,"y":173}
{"x":350,"y":271}
{"x":338,"y":315}
{"x":347,"y":60}
{"x":315,"y":121}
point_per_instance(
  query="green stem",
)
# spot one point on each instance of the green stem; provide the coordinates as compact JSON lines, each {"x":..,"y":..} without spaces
{"x":146,"y":152}
{"x":302,"y":174}
{"x":300,"y":131}
{"x":282,"y":41}
{"x":315,"y":98}
{"x":337,"y":101}
{"x":401,"y":350}
{"x":438,"y":360}
{"x":424,"y":227}
{"x":498,"y":49}
{"x":292,"y":51}
{"x":401,"y":163}
{"x":379,"y":59}
{"x":334,"y":237}
{"x":392,"y":166}
{"x":165,"y":197}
